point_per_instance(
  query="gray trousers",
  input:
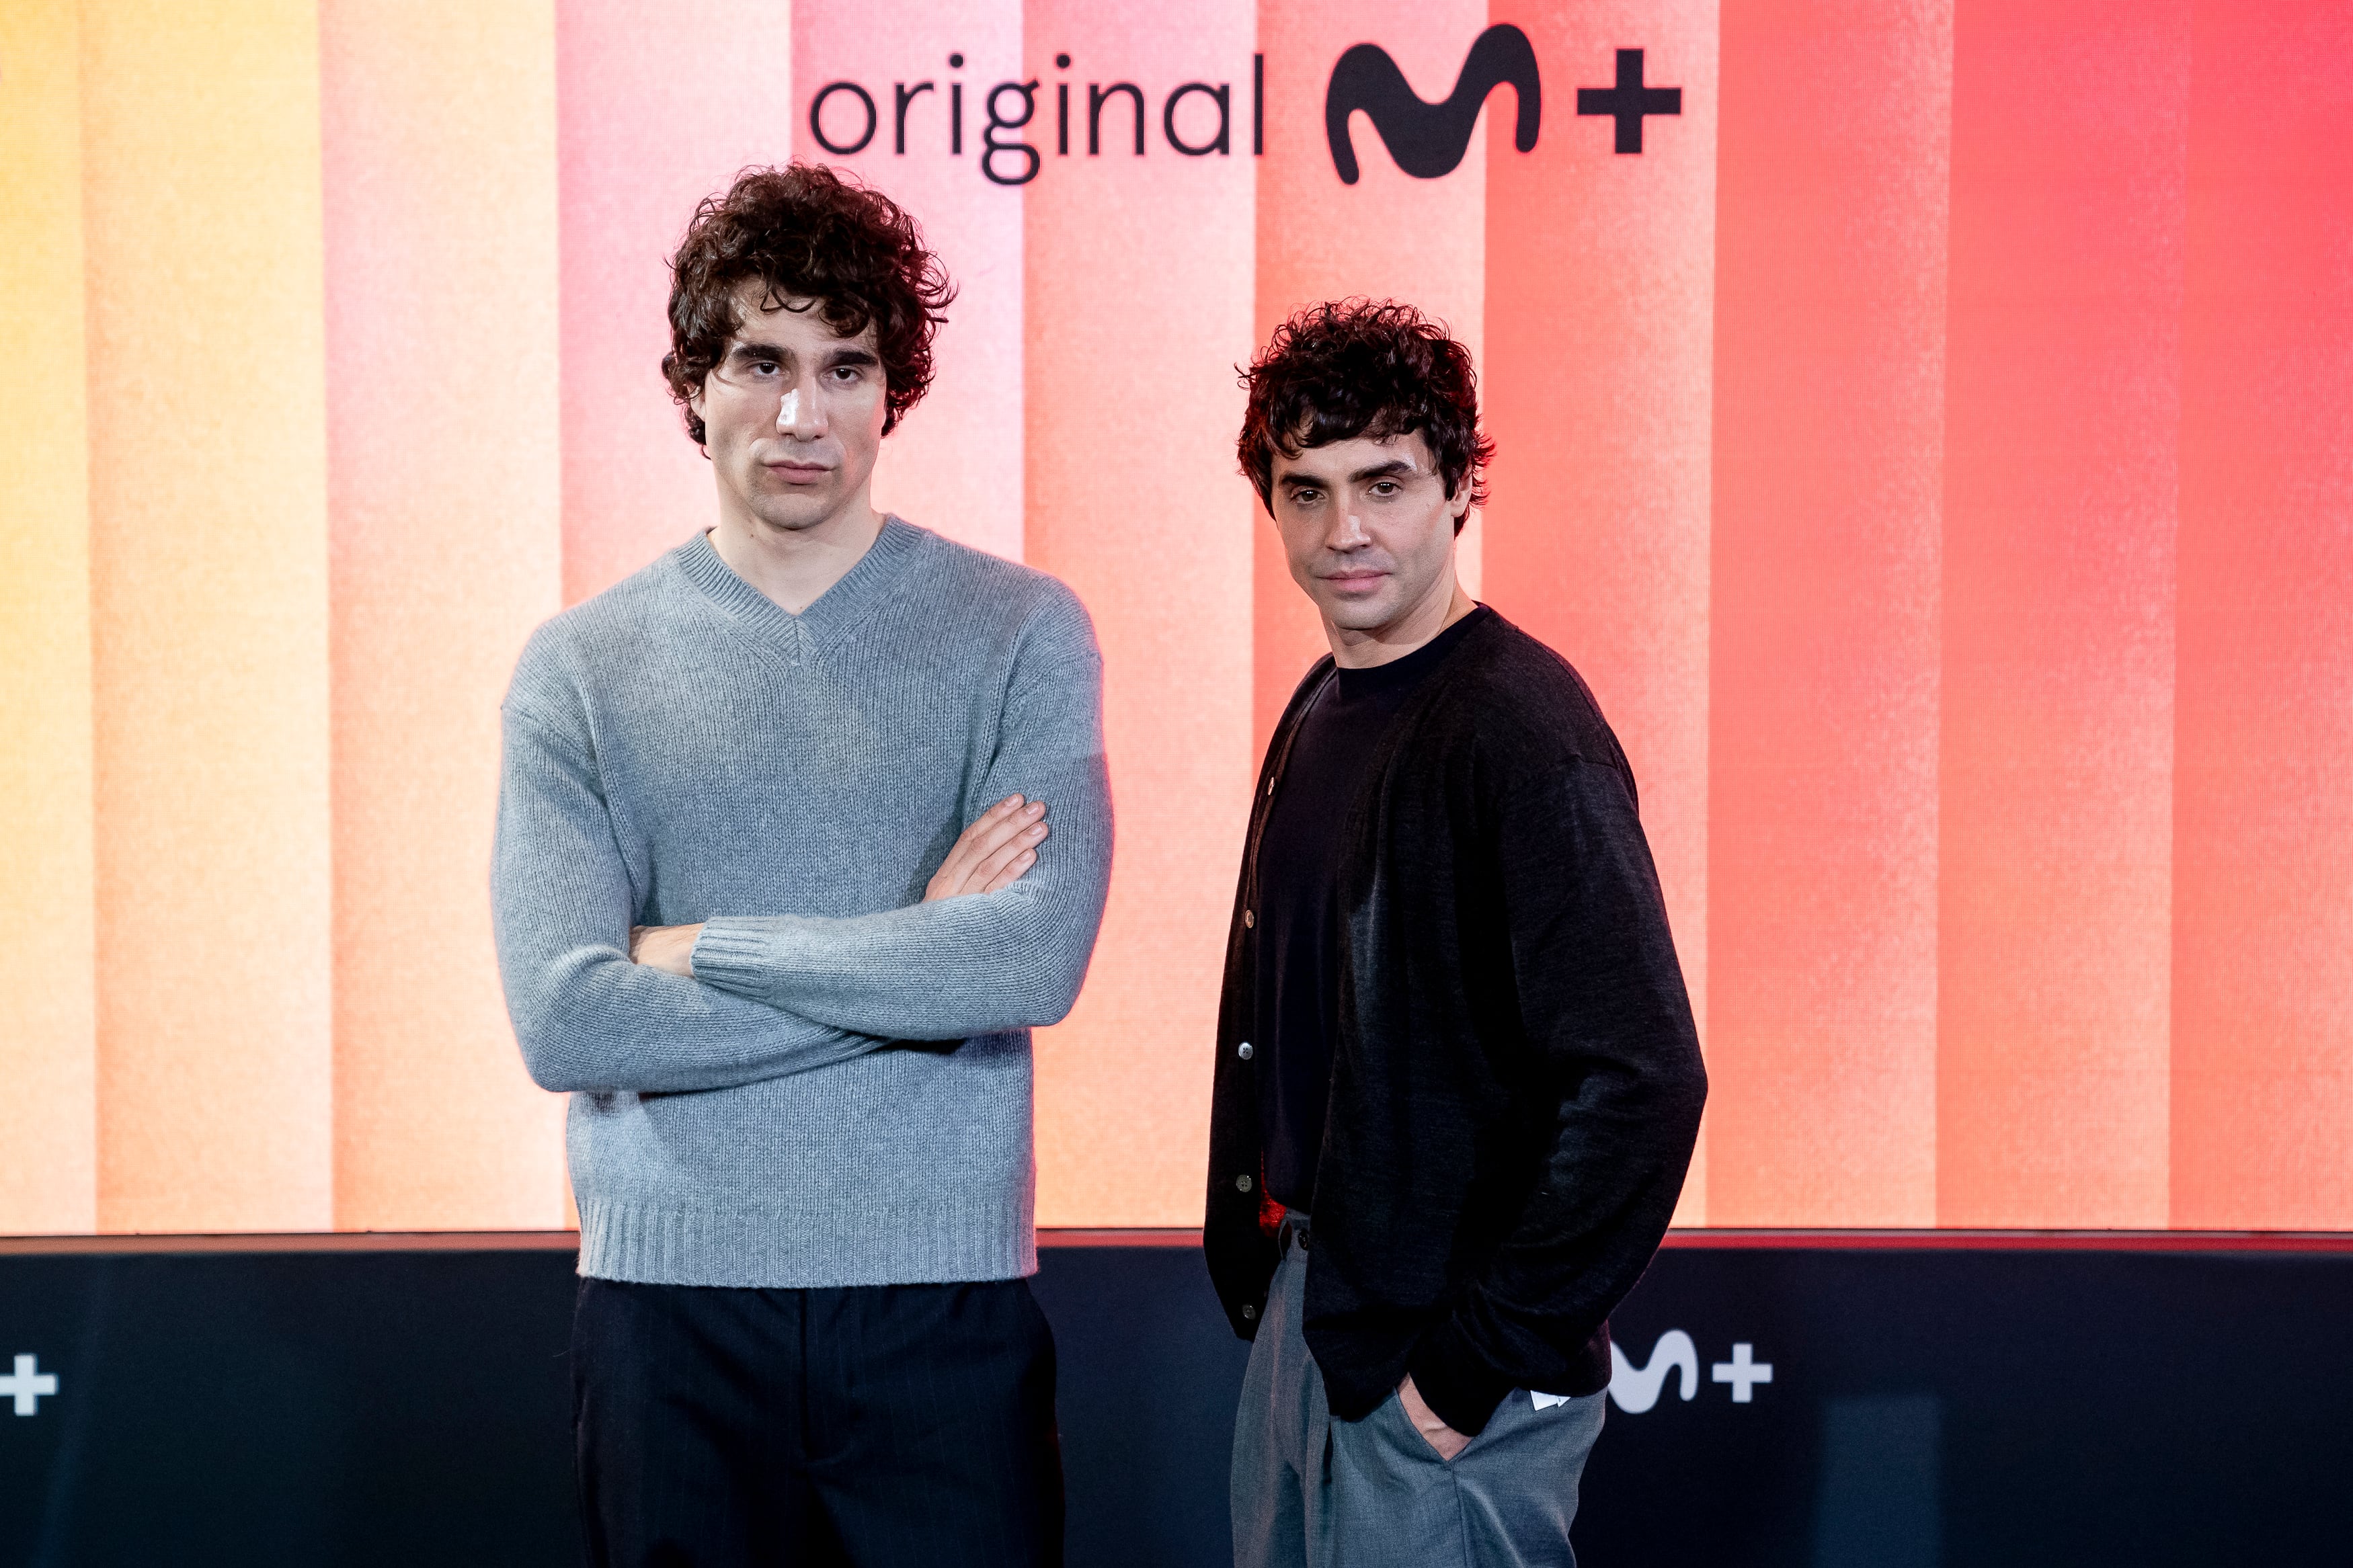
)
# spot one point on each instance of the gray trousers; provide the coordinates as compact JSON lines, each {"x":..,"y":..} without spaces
{"x":1312,"y":1492}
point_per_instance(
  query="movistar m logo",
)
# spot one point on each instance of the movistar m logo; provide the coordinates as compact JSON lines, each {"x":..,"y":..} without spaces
{"x":1636,"y":1388}
{"x":1427,"y":140}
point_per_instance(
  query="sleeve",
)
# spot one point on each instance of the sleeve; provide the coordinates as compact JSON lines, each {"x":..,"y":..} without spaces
{"x":1602,"y":999}
{"x":983,"y":961}
{"x":588,"y":1018}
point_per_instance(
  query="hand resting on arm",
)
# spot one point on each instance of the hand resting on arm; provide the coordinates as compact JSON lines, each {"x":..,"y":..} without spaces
{"x":994,"y":852}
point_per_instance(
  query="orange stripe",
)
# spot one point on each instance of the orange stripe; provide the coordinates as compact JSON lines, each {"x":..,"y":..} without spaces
{"x":1831,"y":224}
{"x":2062,"y":416}
{"x":1139,"y":297}
{"x":208,"y":578}
{"x":1423,"y":241}
{"x":439,"y":163}
{"x":2263,"y":996}
{"x":48,"y":1180}
{"x":1600,"y":290}
{"x":656,"y":106}
{"x":954,"y":464}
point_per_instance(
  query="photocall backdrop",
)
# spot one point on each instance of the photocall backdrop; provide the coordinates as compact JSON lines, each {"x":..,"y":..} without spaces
{"x":1930,"y":431}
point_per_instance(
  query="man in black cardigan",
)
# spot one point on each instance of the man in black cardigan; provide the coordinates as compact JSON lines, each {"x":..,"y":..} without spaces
{"x":1454,"y":1031}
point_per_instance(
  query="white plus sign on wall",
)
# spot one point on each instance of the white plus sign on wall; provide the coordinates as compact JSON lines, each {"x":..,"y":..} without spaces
{"x":1742,"y":1372}
{"x":28,"y":1385}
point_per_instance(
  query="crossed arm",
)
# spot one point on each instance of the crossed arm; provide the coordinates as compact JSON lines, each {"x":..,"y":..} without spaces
{"x":1000,"y":940}
{"x":588,"y":1019}
{"x":600,"y":1006}
{"x":992,"y":854}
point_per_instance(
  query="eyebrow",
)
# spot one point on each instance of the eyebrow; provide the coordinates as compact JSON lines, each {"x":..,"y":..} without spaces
{"x":773,"y":351}
{"x":1394,"y":468}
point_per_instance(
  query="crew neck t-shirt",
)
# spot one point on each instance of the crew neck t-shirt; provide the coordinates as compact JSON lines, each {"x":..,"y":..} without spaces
{"x":1297,"y":912}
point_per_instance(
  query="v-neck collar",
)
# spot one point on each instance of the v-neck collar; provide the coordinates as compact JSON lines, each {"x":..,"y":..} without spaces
{"x":830,"y":617}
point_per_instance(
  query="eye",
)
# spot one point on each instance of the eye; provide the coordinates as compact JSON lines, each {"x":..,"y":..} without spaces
{"x":767,"y":367}
{"x":1385,"y":487}
{"x":847,"y":373}
{"x":1304,"y":496}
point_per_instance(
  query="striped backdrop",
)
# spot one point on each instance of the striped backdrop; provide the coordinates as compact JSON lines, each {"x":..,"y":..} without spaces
{"x":1935,"y":447}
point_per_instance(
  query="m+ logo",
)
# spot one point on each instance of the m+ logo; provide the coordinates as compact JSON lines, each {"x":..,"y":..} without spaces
{"x":1635,"y":1389}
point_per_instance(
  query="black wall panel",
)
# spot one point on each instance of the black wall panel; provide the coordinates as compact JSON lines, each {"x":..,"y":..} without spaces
{"x":1925,"y":1407}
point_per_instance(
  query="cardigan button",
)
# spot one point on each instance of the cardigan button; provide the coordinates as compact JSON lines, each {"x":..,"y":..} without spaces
{"x":1250,"y":1314}
{"x":1243,"y":1050}
{"x":1249,"y":919}
{"x":1242,"y":1184}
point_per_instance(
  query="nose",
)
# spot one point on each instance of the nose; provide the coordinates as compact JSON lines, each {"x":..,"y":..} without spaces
{"x":799,"y":416}
{"x":1347,"y":531}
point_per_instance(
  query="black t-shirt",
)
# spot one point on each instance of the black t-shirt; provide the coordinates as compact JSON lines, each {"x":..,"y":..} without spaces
{"x":1298,"y":948}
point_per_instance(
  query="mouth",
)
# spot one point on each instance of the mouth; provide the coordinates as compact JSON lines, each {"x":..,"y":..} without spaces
{"x":1356,"y":581}
{"x":799,"y":473}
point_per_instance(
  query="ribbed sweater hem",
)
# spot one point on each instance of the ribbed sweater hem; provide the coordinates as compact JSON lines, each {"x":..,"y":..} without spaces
{"x":659,"y":1245}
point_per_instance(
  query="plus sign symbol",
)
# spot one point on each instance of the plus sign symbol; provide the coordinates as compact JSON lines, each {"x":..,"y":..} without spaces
{"x":1743,"y":1372}
{"x":1629,"y":101}
{"x":29,"y":1387}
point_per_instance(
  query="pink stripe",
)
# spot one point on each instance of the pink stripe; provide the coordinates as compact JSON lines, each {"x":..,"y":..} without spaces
{"x":1139,"y":291}
{"x":1390,"y":235}
{"x":1831,"y":191}
{"x":2262,"y":993}
{"x":1601,"y":293}
{"x":2069,"y":120}
{"x":656,"y":106}
{"x":954,"y":464}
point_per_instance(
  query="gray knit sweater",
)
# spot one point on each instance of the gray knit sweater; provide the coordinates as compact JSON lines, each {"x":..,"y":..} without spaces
{"x":841,"y":1096}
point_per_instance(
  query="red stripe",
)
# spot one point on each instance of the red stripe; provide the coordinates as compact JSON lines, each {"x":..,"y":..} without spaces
{"x":2011,"y":1240}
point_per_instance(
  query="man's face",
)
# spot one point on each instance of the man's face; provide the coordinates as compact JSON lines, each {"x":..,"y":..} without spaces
{"x":792,"y":415}
{"x":1369,"y":527}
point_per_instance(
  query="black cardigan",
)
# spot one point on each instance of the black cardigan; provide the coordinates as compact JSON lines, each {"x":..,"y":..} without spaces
{"x":1516,"y":1087}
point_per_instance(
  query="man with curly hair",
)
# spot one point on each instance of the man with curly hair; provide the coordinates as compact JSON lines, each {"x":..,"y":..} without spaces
{"x":1454,"y":1031}
{"x":776,"y":907}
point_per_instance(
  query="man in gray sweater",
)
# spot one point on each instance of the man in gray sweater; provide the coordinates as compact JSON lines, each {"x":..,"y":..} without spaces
{"x":774,"y":904}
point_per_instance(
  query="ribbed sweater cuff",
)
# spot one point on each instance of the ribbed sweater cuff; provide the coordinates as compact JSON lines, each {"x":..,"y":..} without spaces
{"x":735,"y":957}
{"x":1454,"y":1383}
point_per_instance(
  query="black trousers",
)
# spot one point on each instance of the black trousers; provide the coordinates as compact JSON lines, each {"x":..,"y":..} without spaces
{"x":870,"y":1426}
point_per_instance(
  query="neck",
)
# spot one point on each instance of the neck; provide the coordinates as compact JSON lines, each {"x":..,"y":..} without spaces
{"x":1444,"y":605}
{"x":794,"y":566}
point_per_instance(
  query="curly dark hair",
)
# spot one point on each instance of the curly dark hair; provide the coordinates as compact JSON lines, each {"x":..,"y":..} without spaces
{"x":806,"y":232}
{"x":1358,"y":367}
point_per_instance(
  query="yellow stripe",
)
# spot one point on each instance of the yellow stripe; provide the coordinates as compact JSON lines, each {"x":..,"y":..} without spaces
{"x":208,"y":575}
{"x":47,"y":1045}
